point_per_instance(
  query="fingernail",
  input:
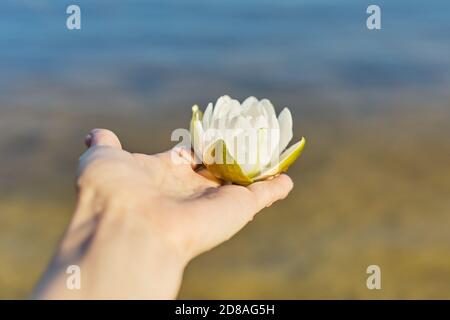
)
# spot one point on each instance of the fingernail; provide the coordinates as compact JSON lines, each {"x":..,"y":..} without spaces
{"x":88,"y":140}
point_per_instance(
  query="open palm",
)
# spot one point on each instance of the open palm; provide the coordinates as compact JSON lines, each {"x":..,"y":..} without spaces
{"x":195,"y":211}
{"x":141,"y":218}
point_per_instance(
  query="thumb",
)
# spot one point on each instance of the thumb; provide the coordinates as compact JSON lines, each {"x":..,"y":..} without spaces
{"x":102,"y":137}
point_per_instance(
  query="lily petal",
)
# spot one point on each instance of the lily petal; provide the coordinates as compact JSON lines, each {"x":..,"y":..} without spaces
{"x":207,"y":116}
{"x":220,"y":103}
{"x":223,"y":165}
{"x":285,"y":123}
{"x":287,"y":158}
{"x":196,"y":131}
{"x":268,"y":107}
{"x":248,"y":103}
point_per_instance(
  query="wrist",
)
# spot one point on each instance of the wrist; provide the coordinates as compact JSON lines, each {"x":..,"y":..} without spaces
{"x":126,"y":248}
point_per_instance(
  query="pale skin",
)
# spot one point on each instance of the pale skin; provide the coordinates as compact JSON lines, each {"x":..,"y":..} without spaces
{"x":140,"y":219}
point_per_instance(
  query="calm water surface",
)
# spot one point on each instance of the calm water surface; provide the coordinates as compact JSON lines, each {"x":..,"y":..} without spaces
{"x":157,"y":52}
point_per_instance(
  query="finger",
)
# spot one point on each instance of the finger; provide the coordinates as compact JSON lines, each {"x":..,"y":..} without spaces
{"x":223,"y":211}
{"x":102,"y":137}
{"x":269,"y":191}
{"x":245,"y":202}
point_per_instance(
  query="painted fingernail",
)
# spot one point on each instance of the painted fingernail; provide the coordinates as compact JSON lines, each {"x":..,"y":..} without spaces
{"x":88,"y":140}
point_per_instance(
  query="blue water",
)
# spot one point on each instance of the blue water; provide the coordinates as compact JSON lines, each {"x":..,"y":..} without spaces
{"x":203,"y":48}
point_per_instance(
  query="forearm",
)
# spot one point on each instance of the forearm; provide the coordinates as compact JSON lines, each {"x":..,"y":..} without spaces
{"x":121,"y":255}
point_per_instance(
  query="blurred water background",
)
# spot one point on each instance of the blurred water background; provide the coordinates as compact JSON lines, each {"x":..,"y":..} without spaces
{"x":373,"y":185}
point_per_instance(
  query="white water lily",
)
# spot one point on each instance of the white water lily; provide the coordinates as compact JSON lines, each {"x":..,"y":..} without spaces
{"x":243,"y":143}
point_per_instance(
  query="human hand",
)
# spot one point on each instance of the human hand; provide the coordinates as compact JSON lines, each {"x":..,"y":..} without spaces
{"x":141,"y":218}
